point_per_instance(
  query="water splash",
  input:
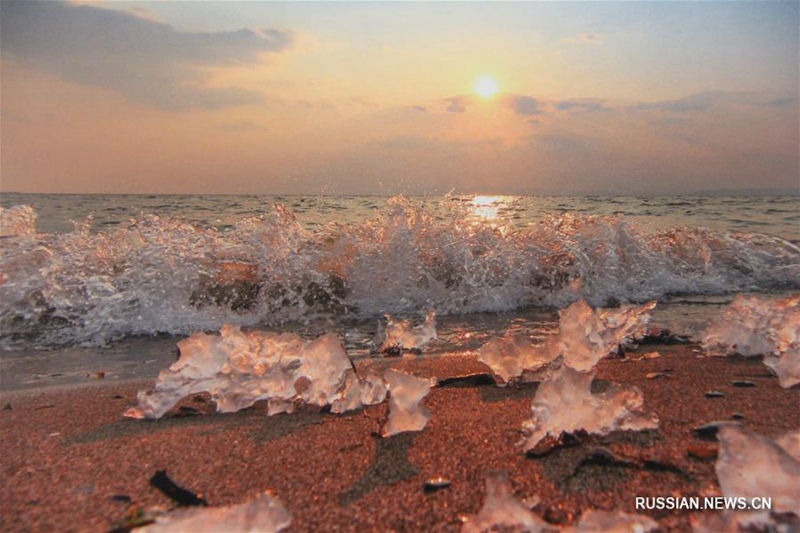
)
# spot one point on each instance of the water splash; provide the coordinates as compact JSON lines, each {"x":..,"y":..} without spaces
{"x":157,"y":274}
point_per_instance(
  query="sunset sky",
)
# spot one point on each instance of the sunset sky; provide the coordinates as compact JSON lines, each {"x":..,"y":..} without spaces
{"x":384,"y":98}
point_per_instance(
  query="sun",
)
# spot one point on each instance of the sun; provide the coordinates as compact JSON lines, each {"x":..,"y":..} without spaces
{"x":486,"y":87}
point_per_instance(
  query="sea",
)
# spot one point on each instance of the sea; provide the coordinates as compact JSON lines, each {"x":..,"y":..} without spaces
{"x":105,"y":285}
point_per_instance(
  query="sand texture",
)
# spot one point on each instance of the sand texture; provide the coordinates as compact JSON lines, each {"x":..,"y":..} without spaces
{"x":70,"y":461}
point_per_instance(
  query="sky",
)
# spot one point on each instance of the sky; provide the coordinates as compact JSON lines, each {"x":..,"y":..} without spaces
{"x":205,"y":97}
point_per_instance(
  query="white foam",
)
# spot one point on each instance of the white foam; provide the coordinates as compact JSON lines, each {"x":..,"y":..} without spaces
{"x":18,"y":220}
{"x":157,"y":274}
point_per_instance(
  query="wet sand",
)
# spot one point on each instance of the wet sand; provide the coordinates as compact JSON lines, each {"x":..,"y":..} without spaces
{"x":69,"y":458}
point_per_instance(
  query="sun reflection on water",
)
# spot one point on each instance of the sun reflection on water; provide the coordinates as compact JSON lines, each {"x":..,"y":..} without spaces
{"x":488,"y":208}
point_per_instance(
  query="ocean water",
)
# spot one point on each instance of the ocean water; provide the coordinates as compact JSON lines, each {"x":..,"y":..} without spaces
{"x":111,"y":281}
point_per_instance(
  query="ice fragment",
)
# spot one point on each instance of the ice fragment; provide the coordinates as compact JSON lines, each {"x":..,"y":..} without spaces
{"x":753,"y":325}
{"x":402,"y":335}
{"x":512,"y":356}
{"x":565,"y":403}
{"x":790,"y":442}
{"x":358,"y":392}
{"x":502,"y":511}
{"x":264,"y":514}
{"x":613,"y":522}
{"x":585,"y":336}
{"x":754,"y":466}
{"x":786,"y":366}
{"x":588,"y":335}
{"x":237,"y":369}
{"x":406,"y":412}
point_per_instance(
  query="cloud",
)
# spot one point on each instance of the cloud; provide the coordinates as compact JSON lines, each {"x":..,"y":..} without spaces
{"x":458,"y":104}
{"x":145,"y":60}
{"x":520,"y":104}
{"x":583,"y":105}
{"x":430,"y":144}
{"x":586,"y":38}
{"x":695,"y":102}
{"x":704,"y":101}
{"x":523,"y":105}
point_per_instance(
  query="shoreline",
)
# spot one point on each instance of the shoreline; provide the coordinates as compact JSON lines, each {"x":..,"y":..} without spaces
{"x":69,"y":456}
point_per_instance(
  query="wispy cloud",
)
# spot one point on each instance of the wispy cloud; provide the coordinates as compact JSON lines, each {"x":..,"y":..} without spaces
{"x":706,"y":100}
{"x":147,"y":61}
{"x":458,"y":104}
{"x":519,"y":104}
{"x":583,"y":105}
{"x":523,"y":105}
{"x":586,"y":38}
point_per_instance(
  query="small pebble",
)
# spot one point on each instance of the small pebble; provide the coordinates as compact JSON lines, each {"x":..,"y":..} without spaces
{"x":709,"y":431}
{"x":655,"y":375}
{"x":702,"y":451}
{"x":715,"y":394}
{"x":743,"y":383}
{"x":436,"y":483}
{"x":737,"y":416}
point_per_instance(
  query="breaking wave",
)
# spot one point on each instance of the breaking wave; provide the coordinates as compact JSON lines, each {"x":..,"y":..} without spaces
{"x":164,"y":275}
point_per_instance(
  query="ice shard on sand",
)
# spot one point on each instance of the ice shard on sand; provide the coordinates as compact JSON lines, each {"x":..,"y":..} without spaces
{"x":566,"y":404}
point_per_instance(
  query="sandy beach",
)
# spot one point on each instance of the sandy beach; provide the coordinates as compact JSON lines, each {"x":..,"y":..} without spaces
{"x":71,"y":462}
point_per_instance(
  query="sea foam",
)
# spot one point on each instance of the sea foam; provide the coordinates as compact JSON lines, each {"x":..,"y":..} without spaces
{"x":164,"y":275}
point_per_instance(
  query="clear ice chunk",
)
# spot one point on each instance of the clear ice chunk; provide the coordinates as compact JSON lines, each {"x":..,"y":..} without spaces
{"x":512,"y":356}
{"x":406,"y":412}
{"x":585,"y":336}
{"x":753,"y":466}
{"x":264,"y":514}
{"x":502,"y":511}
{"x":588,"y":335}
{"x":593,"y":521}
{"x":786,"y":366}
{"x":790,"y":442}
{"x":754,"y":325}
{"x":238,"y":369}
{"x":565,"y":403}
{"x":358,"y":392}
{"x":403,"y":335}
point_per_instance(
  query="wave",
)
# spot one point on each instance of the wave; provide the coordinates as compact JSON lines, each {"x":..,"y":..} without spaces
{"x":164,"y":275}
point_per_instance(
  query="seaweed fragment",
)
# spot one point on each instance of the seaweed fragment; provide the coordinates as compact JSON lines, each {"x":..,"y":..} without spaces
{"x":175,"y":492}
